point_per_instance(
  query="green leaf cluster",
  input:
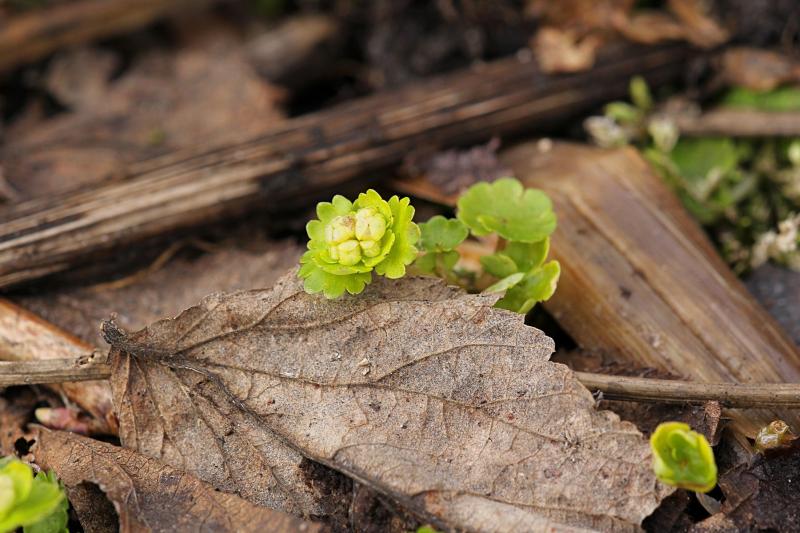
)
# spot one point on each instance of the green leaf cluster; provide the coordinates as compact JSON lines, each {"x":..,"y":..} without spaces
{"x":37,"y":503}
{"x":523,"y":219}
{"x":683,"y":458}
{"x":350,"y":240}
{"x":744,"y":191}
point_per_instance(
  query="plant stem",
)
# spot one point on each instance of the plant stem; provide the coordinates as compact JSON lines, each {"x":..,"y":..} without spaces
{"x":612,"y":387}
{"x":683,"y":392}
{"x":51,"y":371}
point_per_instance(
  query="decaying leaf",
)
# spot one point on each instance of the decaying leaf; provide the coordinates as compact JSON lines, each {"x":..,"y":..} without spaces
{"x":455,"y":170}
{"x":758,"y":70}
{"x":700,"y":27}
{"x":560,"y":50}
{"x":649,"y":27}
{"x":415,"y":389}
{"x":574,"y":30}
{"x":579,"y":14}
{"x":150,"y":496}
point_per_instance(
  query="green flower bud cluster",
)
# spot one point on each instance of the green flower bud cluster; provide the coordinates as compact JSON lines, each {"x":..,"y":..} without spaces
{"x":355,"y":236}
{"x":682,"y":457}
{"x":349,"y":240}
{"x":37,"y":503}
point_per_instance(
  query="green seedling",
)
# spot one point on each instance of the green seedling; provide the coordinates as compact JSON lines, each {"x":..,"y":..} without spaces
{"x":683,"y":458}
{"x":37,"y":503}
{"x":350,"y":240}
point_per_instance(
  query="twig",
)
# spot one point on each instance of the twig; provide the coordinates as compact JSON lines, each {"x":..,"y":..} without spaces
{"x":612,"y":387}
{"x":741,"y":123}
{"x":683,"y":392}
{"x":51,"y":371}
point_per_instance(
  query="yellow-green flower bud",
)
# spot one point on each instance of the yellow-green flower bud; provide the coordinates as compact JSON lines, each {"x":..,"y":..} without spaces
{"x":348,"y":253}
{"x":371,"y":248}
{"x":370,"y":225}
{"x":340,"y":229}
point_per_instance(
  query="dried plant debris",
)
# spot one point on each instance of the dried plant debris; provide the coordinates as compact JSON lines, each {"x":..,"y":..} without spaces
{"x":574,"y":30}
{"x":757,"y":69}
{"x":16,"y":411}
{"x":151,"y":496}
{"x":760,"y":495}
{"x":453,"y":171}
{"x":165,"y":101}
{"x":177,"y":285}
{"x":415,"y":389}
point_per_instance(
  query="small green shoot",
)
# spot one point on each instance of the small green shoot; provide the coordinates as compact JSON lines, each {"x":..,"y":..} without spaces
{"x":351,"y":239}
{"x":683,"y":458}
{"x":38,"y":504}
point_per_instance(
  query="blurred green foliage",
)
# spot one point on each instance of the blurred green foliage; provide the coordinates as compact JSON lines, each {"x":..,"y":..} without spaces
{"x":745,"y":192}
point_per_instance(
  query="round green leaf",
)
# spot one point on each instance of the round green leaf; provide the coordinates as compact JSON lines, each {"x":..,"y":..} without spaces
{"x":440,"y":234}
{"x":507,"y":208}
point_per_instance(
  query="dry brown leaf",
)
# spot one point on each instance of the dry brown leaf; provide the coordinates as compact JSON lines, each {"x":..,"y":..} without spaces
{"x":79,"y":77}
{"x":649,"y":27}
{"x":700,"y":28}
{"x":93,"y":509}
{"x":150,"y":496}
{"x":558,"y":50}
{"x":420,"y":391}
{"x":580,"y":14}
{"x":16,"y":410}
{"x":759,"y":70}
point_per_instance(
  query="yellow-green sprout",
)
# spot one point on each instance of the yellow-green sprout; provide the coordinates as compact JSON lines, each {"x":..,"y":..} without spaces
{"x":683,"y":458}
{"x":350,"y":240}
